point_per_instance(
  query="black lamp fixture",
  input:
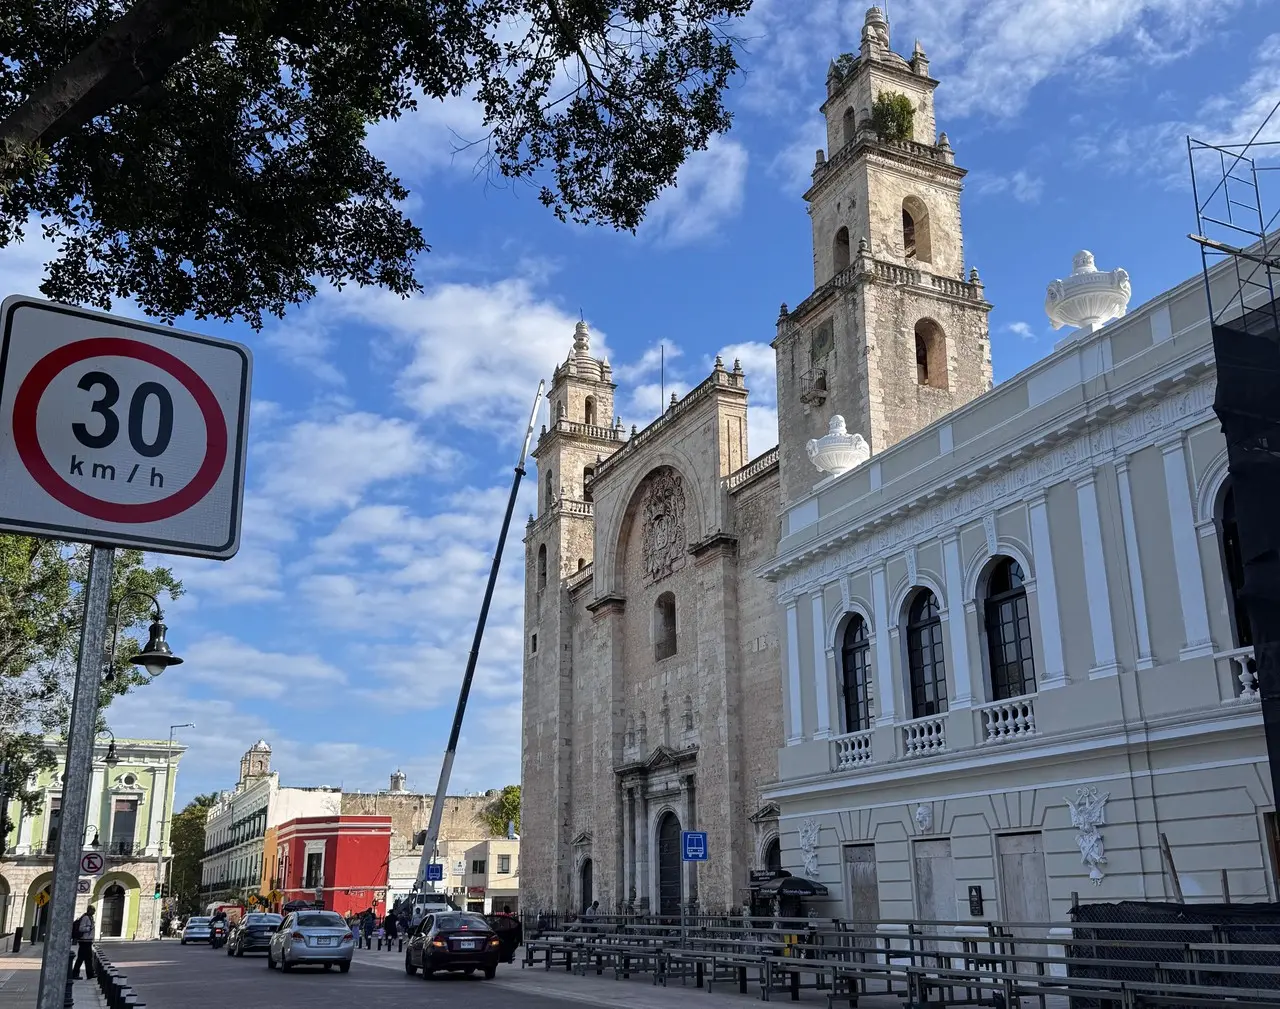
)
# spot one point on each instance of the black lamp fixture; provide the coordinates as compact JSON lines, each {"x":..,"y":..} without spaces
{"x":157,"y":656}
{"x":111,"y":759}
{"x":95,"y":844}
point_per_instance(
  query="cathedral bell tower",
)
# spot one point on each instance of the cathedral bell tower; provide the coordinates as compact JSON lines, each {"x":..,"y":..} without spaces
{"x":559,"y":543}
{"x":894,"y":335}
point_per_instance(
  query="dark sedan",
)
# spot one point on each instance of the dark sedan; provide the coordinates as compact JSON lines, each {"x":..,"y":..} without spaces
{"x":453,"y":940}
{"x":252,"y":934}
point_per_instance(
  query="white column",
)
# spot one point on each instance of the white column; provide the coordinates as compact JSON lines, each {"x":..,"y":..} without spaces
{"x":1186,"y":551}
{"x":155,"y":815}
{"x":957,"y":626}
{"x":1137,"y":591}
{"x":96,"y":792}
{"x":884,"y":650}
{"x":795,"y":733}
{"x":25,"y":820}
{"x":1055,"y":669}
{"x":821,"y":676}
{"x":1097,"y":593}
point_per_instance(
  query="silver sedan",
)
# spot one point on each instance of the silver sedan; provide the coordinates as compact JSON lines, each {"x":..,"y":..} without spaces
{"x":311,"y":937}
{"x":196,"y":930}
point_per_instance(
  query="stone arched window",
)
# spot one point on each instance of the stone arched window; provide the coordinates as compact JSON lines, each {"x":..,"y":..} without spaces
{"x":931,"y":354}
{"x":840,"y":251}
{"x":664,"y":626}
{"x":587,"y":473}
{"x":550,"y":491}
{"x":855,"y":676}
{"x":589,"y":410}
{"x":926,"y":663}
{"x":582,"y":563}
{"x":849,"y":125}
{"x":773,"y":855}
{"x":1233,"y":566}
{"x":542,"y":566}
{"x":1010,"y":659}
{"x":916,"y":239}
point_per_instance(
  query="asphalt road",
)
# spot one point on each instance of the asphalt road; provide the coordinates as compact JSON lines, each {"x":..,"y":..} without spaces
{"x":169,"y":976}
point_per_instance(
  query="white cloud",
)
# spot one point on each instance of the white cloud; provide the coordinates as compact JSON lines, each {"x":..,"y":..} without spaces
{"x":306,"y":345}
{"x":990,"y":54}
{"x":321,"y":464}
{"x":793,"y":164}
{"x":448,"y":134}
{"x":245,"y":671}
{"x":708,"y":190}
{"x":759,"y":363}
{"x":1022,"y":329}
{"x":1021,"y":185}
{"x":22,"y":263}
{"x":655,"y":357}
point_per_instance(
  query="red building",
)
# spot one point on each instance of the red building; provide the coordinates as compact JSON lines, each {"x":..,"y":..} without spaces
{"x":345,"y":858}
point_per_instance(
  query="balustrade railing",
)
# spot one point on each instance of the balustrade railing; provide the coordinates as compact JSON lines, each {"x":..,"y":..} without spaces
{"x":923,"y":736}
{"x":853,"y":749}
{"x":1004,"y":721}
{"x":1243,"y":670}
{"x":754,"y":468}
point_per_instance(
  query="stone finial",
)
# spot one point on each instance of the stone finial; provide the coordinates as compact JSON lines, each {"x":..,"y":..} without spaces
{"x":719,"y":363}
{"x":819,"y":158}
{"x":674,"y":399}
{"x":782,"y":312}
{"x":838,"y":451}
{"x":974,"y":279}
{"x":944,"y":141}
{"x":864,"y":246}
{"x":1089,"y":298}
{"x":737,"y":366}
{"x":875,"y":29}
{"x":919,"y":60}
{"x":633,"y":430}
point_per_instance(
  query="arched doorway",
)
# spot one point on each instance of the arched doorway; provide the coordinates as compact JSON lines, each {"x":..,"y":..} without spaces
{"x":669,"y":864}
{"x":588,"y":885}
{"x":5,"y":899}
{"x":113,"y":911}
{"x":40,"y":911}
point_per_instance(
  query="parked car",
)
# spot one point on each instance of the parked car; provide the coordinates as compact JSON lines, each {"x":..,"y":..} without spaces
{"x":453,"y":940}
{"x":252,"y":934}
{"x":196,"y":930}
{"x":311,"y":937}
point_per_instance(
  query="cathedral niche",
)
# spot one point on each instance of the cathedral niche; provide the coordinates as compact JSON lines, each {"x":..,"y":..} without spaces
{"x":664,"y":537}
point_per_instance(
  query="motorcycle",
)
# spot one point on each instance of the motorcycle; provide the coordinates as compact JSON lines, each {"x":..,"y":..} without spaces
{"x":219,"y":936}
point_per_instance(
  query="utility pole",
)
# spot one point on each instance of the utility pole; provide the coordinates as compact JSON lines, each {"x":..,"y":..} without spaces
{"x":431,"y":841}
{"x":164,"y":823}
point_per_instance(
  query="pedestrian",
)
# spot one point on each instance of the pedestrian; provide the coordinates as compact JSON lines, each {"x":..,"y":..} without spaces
{"x":367,"y":928}
{"x":391,"y":927}
{"x":82,"y":933}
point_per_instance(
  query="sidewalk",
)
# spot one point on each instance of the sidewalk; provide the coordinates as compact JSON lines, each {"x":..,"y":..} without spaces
{"x":20,"y":983}
{"x":636,"y":993}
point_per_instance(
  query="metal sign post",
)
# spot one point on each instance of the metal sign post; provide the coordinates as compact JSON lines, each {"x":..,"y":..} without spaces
{"x":113,"y":432}
{"x":55,"y":963}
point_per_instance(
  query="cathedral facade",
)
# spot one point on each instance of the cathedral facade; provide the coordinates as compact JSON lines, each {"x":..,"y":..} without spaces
{"x":654,"y":652}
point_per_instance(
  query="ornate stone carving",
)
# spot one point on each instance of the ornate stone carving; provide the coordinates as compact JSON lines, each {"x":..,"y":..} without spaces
{"x":1089,"y":298}
{"x":665,"y":537}
{"x":1088,"y":813}
{"x":809,"y":831}
{"x":989,"y":527}
{"x":838,"y":451}
{"x":924,"y":818}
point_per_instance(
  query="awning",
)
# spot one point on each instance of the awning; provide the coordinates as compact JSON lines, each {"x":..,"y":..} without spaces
{"x":793,"y":886}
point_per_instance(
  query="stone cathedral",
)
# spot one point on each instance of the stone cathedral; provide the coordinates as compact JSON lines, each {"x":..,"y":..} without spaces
{"x":653,"y":685}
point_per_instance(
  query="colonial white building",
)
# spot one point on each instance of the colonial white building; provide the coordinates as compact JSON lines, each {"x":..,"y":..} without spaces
{"x":1013,"y":656}
{"x":239,"y":826}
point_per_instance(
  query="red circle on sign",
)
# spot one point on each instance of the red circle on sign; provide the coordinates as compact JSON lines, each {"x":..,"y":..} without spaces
{"x":91,"y":862}
{"x":33,"y":387}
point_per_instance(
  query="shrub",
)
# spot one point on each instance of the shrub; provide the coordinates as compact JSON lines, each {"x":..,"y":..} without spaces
{"x":892,"y":116}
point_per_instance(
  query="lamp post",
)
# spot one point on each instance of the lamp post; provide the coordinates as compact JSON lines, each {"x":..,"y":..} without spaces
{"x":156,"y":656}
{"x":164,"y":813}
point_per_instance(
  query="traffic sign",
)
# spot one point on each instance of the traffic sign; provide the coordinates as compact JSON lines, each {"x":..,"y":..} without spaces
{"x":91,"y":864}
{"x":435,"y":872}
{"x":42,"y":898}
{"x":84,"y":886}
{"x":120,"y":432}
{"x":693,"y":845}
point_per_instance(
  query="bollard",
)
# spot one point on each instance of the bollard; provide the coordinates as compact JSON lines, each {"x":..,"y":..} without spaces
{"x":17,"y":938}
{"x":68,"y":999}
{"x":401,"y":950}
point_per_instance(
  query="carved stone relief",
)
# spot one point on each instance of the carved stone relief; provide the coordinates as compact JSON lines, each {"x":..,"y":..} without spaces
{"x":665,"y":538}
{"x":809,"y":831}
{"x":1088,"y":813}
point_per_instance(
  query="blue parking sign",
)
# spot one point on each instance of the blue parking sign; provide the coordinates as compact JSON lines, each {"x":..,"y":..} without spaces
{"x":693,"y":845}
{"x":435,"y":872}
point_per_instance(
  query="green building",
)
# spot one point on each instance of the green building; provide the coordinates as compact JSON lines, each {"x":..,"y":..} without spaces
{"x":130,"y":803}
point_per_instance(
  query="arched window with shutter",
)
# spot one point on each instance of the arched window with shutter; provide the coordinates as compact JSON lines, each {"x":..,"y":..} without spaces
{"x":926,"y":661}
{"x":1010,"y":659}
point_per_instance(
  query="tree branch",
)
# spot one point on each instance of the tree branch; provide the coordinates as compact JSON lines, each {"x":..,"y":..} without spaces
{"x":135,"y":50}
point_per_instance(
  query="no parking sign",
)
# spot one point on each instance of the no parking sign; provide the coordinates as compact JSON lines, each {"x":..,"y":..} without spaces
{"x":120,"y":432}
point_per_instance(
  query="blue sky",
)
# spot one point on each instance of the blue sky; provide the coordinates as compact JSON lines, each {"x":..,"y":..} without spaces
{"x":384,"y":431}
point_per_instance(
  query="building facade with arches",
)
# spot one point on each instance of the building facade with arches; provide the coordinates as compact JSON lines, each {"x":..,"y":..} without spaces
{"x":1013,"y":652}
{"x":126,"y":821}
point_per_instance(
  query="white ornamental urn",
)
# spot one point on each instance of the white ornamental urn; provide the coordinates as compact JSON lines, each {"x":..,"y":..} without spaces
{"x":1089,"y":298}
{"x":838,"y":451}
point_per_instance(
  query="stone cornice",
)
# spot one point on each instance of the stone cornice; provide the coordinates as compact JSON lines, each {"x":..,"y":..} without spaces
{"x":920,"y":158}
{"x":1006,"y":474}
{"x":717,"y":541}
{"x":864,"y":65}
{"x":605,"y":605}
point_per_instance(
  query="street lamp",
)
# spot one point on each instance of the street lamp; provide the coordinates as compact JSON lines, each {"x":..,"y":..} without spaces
{"x":110,"y":759}
{"x":168,"y":787}
{"x":156,"y":656}
{"x":94,"y":844}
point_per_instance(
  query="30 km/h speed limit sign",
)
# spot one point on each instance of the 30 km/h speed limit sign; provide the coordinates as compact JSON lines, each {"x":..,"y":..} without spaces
{"x":119,"y":432}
